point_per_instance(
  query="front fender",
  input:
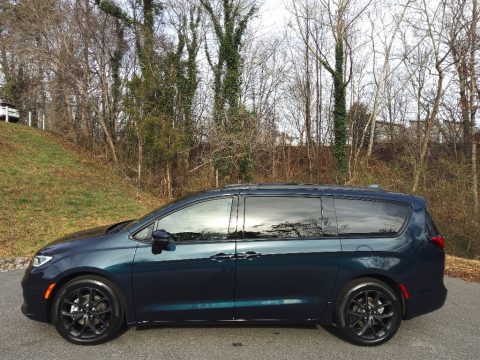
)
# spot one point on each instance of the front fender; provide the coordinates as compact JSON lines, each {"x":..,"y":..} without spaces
{"x":113,"y":264}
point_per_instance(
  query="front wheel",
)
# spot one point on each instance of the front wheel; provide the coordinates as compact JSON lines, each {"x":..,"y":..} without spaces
{"x":368,"y":312}
{"x":88,"y":310}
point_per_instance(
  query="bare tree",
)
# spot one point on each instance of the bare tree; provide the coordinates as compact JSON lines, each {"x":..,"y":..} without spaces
{"x":463,"y":40}
{"x":341,"y":16}
{"x":434,"y":33}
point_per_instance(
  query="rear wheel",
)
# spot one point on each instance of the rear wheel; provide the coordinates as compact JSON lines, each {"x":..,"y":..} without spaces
{"x":88,"y":310}
{"x":368,"y":312}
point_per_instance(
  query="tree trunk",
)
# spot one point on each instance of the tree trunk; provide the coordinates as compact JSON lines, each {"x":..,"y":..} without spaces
{"x":429,"y":122}
{"x":318,"y":116}
{"x":140,"y":157}
{"x":85,"y":73}
{"x":110,"y":143}
{"x":169,"y":181}
{"x":473,"y":104}
{"x":308,"y":101}
{"x":339,"y":109}
{"x":474,"y":179}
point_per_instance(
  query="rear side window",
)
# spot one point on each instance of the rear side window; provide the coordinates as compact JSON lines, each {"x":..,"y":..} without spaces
{"x":282,"y":217}
{"x":360,"y":217}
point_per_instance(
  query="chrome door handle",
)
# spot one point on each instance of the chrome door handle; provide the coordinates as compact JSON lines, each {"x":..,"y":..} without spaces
{"x":222,"y":256}
{"x":248,"y":255}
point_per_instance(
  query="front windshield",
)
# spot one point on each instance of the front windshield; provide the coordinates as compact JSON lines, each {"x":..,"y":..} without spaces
{"x":140,"y":219}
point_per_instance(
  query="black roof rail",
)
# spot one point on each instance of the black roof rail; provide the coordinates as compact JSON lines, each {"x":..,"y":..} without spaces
{"x":373,"y":187}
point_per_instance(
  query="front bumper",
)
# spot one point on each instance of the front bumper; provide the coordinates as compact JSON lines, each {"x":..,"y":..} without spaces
{"x":34,"y":284}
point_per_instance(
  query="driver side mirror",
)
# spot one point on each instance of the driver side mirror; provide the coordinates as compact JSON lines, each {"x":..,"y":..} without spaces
{"x":160,"y":241}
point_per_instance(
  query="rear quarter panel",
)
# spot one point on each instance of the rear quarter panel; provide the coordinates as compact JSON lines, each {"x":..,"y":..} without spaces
{"x":408,"y":258}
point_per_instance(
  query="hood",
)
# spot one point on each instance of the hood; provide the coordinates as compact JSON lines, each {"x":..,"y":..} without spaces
{"x":84,"y":234}
{"x":75,"y":239}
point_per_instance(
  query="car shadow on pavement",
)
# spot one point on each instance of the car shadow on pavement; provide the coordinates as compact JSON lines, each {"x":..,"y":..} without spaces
{"x":224,"y":326}
{"x":332,"y":330}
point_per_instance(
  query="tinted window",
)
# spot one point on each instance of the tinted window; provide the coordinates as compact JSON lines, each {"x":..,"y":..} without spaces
{"x":205,"y":221}
{"x":431,"y":227}
{"x":329,"y":217}
{"x":282,"y":217}
{"x":369,"y":217}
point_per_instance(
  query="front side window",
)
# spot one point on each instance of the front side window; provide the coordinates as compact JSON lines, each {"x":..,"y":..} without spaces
{"x":204,"y":221}
{"x":359,"y":217}
{"x":282,"y":217}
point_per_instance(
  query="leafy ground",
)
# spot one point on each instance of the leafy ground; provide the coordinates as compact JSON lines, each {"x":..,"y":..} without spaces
{"x":49,"y":188}
{"x":466,"y":269}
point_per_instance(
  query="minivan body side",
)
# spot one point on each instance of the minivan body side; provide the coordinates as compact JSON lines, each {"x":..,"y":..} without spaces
{"x":289,"y":277}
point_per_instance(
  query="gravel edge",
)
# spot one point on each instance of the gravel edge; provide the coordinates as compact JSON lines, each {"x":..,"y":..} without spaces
{"x":18,"y":263}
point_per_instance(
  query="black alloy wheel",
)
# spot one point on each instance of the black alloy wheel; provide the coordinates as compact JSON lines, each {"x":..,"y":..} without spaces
{"x":88,"y":310}
{"x":369,"y":312}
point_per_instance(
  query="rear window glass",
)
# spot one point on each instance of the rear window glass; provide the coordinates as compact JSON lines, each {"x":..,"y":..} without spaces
{"x":360,"y":217}
{"x":431,"y":227}
{"x":282,"y":217}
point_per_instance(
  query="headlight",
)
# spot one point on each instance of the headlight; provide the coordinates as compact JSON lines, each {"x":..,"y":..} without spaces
{"x":40,"y":260}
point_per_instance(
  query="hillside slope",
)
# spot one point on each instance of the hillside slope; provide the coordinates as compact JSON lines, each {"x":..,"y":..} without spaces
{"x":49,"y":188}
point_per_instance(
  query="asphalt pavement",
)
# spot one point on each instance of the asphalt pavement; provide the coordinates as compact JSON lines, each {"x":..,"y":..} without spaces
{"x":452,"y":332}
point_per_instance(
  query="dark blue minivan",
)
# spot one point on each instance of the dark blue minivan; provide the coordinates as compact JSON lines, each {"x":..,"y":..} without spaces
{"x":360,"y":258}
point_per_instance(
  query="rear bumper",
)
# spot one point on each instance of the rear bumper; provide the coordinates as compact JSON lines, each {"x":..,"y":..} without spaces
{"x":426,"y":302}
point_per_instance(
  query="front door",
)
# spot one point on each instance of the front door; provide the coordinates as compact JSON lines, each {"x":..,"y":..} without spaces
{"x":194,"y":278}
{"x":288,"y":257}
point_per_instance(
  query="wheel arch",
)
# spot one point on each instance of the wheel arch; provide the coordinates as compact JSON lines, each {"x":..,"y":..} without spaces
{"x":392,"y":283}
{"x":73,"y":275}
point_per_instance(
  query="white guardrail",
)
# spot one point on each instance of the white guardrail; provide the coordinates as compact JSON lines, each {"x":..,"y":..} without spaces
{"x":11,"y":114}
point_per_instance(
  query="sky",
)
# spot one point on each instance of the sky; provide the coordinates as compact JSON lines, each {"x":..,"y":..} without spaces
{"x":273,"y":15}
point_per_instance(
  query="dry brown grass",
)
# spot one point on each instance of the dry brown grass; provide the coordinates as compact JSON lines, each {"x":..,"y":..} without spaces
{"x":462,"y":268}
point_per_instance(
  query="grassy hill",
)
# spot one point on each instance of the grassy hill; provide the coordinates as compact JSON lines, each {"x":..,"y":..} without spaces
{"x":49,"y":188}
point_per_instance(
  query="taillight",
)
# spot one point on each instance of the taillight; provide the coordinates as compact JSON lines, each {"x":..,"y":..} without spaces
{"x":438,"y":241}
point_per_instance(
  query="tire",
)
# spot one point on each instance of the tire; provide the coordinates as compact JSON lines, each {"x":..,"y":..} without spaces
{"x":88,"y":310}
{"x":368,"y":312}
